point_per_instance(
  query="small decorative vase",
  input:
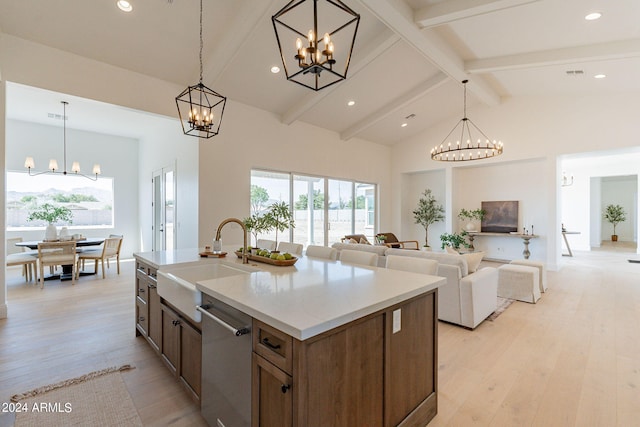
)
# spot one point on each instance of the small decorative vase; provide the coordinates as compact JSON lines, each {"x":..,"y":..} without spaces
{"x":51,"y":233}
{"x":470,"y":226}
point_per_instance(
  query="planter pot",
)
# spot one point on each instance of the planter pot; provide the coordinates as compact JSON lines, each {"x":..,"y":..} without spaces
{"x":51,"y":233}
{"x":614,"y":237}
{"x":470,"y":226}
{"x":426,"y":248}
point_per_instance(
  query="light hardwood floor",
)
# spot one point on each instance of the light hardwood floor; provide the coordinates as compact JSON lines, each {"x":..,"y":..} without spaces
{"x":572,"y":359}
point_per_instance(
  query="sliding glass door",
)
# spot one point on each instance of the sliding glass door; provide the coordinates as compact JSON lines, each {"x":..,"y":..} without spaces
{"x":324,"y":209}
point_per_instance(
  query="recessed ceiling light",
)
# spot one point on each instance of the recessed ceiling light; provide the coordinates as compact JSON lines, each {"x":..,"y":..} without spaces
{"x":404,"y":125}
{"x":593,"y":16}
{"x":275,"y":69}
{"x":124,"y":5}
{"x":599,"y":76}
{"x":351,"y":103}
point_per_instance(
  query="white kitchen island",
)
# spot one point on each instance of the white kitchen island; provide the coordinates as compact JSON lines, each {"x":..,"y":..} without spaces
{"x":334,"y":344}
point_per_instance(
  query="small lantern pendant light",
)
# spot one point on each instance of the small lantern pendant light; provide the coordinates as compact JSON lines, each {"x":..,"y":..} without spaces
{"x":200,"y":109}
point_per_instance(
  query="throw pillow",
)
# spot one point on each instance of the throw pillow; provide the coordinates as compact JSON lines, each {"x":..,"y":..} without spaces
{"x":473,"y":260}
{"x":450,"y":250}
{"x":353,"y":241}
{"x":364,"y":241}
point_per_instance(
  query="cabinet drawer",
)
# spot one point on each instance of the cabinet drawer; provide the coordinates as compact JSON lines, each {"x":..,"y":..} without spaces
{"x":142,"y":288}
{"x":273,"y":345}
{"x":142,"y":314}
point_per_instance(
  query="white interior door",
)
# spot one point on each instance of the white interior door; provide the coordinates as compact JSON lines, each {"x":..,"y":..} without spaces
{"x":164,"y":209}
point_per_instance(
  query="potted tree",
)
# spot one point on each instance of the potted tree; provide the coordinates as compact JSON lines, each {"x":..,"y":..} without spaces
{"x":429,"y":211}
{"x":279,"y":218}
{"x":51,"y":214}
{"x":256,"y":224}
{"x":615,"y":214}
{"x":470,"y":215}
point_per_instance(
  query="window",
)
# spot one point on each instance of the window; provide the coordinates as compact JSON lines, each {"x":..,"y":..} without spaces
{"x":324,"y":209}
{"x":91,"y":202}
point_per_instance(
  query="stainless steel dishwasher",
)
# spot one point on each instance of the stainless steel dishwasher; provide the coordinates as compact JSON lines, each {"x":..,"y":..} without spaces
{"x":226,"y":365}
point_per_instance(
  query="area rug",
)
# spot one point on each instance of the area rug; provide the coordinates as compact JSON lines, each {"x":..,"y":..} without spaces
{"x":99,"y":398}
{"x":503,"y":304}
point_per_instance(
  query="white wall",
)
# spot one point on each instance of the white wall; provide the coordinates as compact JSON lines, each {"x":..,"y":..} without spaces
{"x":413,"y":185}
{"x":252,"y":138}
{"x":531,"y":127}
{"x":118,"y":158}
{"x":623,"y":191}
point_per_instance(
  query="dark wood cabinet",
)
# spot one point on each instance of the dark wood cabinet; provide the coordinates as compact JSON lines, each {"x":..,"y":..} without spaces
{"x":272,"y":402}
{"x":169,"y":333}
{"x":182,"y":349}
{"x":367,"y":372}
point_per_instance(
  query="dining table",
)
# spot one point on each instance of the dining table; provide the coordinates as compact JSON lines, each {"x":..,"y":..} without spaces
{"x":67,"y":270}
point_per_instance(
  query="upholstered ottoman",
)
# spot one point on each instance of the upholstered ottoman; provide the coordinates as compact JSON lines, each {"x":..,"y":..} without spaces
{"x":519,"y":282}
{"x":541,"y":269}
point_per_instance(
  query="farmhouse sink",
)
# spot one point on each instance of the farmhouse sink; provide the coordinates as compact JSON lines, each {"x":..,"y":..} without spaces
{"x":177,"y":284}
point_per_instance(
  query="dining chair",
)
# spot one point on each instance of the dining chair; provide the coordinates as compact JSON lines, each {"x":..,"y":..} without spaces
{"x":121,"y":236}
{"x":269,"y":245}
{"x":110,"y":249}
{"x":314,"y":251}
{"x":292,"y":248}
{"x":414,"y":265}
{"x":17,"y":256}
{"x":348,"y":256}
{"x":57,"y":253}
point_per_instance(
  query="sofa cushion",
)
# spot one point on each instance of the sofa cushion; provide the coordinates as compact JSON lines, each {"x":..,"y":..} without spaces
{"x":441,"y":257}
{"x":380,"y":250}
{"x":473,"y":260}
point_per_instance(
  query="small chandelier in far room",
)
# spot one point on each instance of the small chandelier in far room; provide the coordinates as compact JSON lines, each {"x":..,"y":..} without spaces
{"x":315,"y":39}
{"x":200,"y":109}
{"x":30,"y":164}
{"x":464,"y":148}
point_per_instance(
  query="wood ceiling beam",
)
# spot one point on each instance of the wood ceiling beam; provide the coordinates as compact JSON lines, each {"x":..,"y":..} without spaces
{"x":587,"y":53}
{"x":243,"y":25}
{"x":373,"y":50}
{"x":398,"y":16}
{"x":454,"y":10}
{"x":400,"y":102}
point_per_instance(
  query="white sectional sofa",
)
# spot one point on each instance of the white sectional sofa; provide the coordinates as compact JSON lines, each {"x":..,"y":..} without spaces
{"x":376,"y":249}
{"x":467,"y":298}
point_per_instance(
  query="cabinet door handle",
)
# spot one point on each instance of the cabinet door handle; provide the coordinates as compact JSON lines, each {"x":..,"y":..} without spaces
{"x":285,"y":387}
{"x":266,"y":342}
{"x":175,"y":322}
{"x":141,"y":318}
{"x":141,"y":290}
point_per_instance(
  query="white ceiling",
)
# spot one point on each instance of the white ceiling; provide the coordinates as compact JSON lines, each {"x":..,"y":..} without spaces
{"x":409,"y":57}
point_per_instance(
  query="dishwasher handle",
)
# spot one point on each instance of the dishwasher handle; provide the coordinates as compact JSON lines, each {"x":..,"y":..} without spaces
{"x":236,"y":331}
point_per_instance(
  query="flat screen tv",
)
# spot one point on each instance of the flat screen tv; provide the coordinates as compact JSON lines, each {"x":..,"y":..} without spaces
{"x":500,"y":217}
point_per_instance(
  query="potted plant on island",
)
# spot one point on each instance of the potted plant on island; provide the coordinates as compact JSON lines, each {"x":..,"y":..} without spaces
{"x":470,"y":215}
{"x":51,"y":214}
{"x":615,"y":214}
{"x":427,"y":213}
{"x":279,"y":218}
{"x":256,"y":224}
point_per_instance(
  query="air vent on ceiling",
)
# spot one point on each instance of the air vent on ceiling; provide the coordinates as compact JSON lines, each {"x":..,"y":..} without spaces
{"x":410,"y":116}
{"x":57,"y":116}
{"x":575,"y":73}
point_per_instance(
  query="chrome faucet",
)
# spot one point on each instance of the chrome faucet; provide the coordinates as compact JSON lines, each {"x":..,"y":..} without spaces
{"x":245,"y":255}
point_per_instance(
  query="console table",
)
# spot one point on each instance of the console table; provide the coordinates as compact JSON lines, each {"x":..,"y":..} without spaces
{"x":525,"y":238}
{"x":564,"y":236}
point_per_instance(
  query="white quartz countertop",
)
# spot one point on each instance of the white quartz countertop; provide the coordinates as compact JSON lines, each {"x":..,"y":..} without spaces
{"x":310,"y":297}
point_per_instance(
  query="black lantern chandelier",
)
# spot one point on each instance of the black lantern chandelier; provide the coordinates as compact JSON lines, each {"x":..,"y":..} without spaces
{"x":200,"y":108}
{"x":53,"y":163}
{"x":465,"y":149}
{"x":317,"y":54}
